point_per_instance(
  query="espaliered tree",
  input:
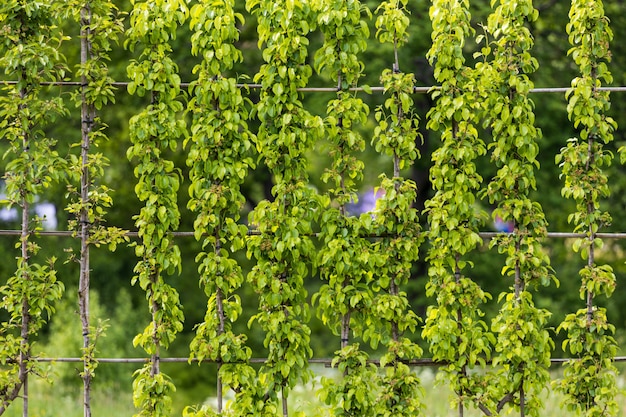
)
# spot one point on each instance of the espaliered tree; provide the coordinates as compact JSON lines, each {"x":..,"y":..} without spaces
{"x":457,"y":334}
{"x":99,"y":28}
{"x":523,"y":345}
{"x":283,"y":248}
{"x":396,"y":222}
{"x":220,"y":148}
{"x":153,"y":132}
{"x":29,"y":54}
{"x":589,"y":378}
{"x":345,"y":259}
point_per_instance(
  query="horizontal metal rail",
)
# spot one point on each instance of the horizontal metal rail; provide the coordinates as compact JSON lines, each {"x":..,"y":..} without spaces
{"x":252,"y":232}
{"x":377,"y":89}
{"x":425,"y":362}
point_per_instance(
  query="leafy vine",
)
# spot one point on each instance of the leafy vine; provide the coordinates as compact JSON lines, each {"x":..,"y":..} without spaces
{"x":345,"y":259}
{"x":153,"y":132}
{"x":396,"y":221}
{"x":29,"y":53}
{"x":283,"y":248}
{"x":219,"y":157}
{"x":589,"y":379}
{"x":99,"y":28}
{"x":523,"y":345}
{"x":457,"y":334}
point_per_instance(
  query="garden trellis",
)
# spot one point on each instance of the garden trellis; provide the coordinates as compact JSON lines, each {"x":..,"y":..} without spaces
{"x":365,"y":261}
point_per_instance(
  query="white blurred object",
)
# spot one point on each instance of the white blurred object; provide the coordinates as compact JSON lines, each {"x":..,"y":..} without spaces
{"x":47,"y":212}
{"x":8,"y":214}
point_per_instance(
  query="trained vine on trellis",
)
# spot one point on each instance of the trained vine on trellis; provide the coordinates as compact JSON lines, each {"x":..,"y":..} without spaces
{"x":99,"y":28}
{"x":153,"y":132}
{"x":345,"y":260}
{"x":396,"y":219}
{"x":30,"y":55}
{"x":220,"y":154}
{"x":457,"y":333}
{"x":361,"y":262}
{"x":523,"y":345}
{"x":589,"y":380}
{"x":283,"y":250}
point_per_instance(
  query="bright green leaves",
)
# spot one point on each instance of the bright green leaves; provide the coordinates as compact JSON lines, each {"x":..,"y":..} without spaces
{"x":342,"y":395}
{"x":152,"y":393}
{"x":283,"y":249}
{"x":105,"y":27}
{"x":153,"y":24}
{"x":523,"y":348}
{"x":220,"y":154}
{"x":451,"y":25}
{"x":153,"y":133}
{"x":343,"y":259}
{"x":396,"y":222}
{"x":401,"y":391}
{"x":455,"y":328}
{"x":589,"y":380}
{"x":510,"y":116}
{"x":287,"y":130}
{"x":214,"y":26}
{"x":392,"y":22}
{"x":590,"y":34}
{"x":345,"y":36}
{"x":28,"y":54}
{"x":346,"y":260}
{"x":396,"y":134}
{"x":364,"y":261}
{"x":100,"y":27}
{"x":523,"y":344}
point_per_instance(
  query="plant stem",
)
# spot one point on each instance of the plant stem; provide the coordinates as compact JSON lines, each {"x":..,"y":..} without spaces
{"x":87,"y":115}
{"x":219,"y":295}
{"x":24,"y":239}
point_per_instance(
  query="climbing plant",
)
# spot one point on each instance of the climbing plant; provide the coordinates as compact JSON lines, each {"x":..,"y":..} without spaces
{"x":153,"y":132}
{"x":345,"y":260}
{"x":220,"y":154}
{"x":458,"y":335}
{"x":344,"y":299}
{"x":396,"y":221}
{"x":589,"y":379}
{"x":283,"y":249}
{"x":100,"y":28}
{"x":29,"y":54}
{"x":523,"y":344}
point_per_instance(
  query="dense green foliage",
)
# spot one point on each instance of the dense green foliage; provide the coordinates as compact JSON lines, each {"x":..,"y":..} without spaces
{"x":274,"y":182}
{"x":30,"y":56}
{"x":589,"y":381}
{"x":154,"y":131}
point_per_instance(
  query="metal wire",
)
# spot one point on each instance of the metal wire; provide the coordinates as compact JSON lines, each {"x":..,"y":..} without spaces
{"x":377,"y":89}
{"x":253,"y":232}
{"x":422,"y":362}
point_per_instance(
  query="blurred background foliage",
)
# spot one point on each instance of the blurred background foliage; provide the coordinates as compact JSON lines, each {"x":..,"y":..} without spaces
{"x":122,"y":306}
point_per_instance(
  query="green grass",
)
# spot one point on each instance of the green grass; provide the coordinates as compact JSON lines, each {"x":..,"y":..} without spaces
{"x":49,"y":400}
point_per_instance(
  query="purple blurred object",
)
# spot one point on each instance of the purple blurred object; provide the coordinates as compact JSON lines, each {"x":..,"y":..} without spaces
{"x":366,"y":202}
{"x":503,"y":226}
